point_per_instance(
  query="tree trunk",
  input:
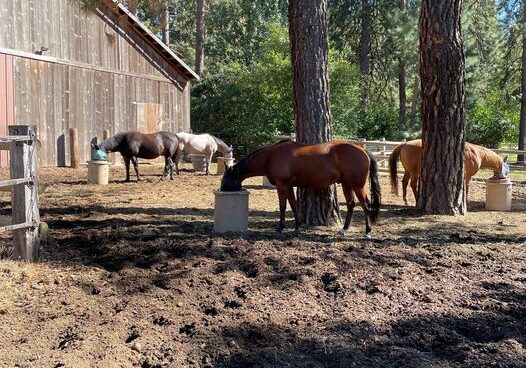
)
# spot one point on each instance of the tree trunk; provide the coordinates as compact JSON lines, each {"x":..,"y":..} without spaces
{"x":442,"y":188}
{"x":132,"y":6}
{"x":309,"y":56}
{"x":402,"y":97}
{"x":522,"y":126}
{"x":165,"y":23}
{"x":364,"y":56}
{"x":200,"y":38}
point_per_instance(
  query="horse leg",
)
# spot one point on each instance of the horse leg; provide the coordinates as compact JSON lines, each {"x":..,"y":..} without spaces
{"x":282,"y":195}
{"x":362,"y":198}
{"x":349,"y":201}
{"x":294,"y":207}
{"x":405,"y":182}
{"x":127,"y":164}
{"x":467,"y":187}
{"x":136,"y":167}
{"x":414,"y":183}
{"x":174,"y":163}
{"x":171,"y":167}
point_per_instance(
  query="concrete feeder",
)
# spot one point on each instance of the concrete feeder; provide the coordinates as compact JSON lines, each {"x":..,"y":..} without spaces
{"x":221,"y":161}
{"x":498,"y":194}
{"x":98,"y":172}
{"x":199,"y":162}
{"x":231,"y":211}
{"x":267,"y":184}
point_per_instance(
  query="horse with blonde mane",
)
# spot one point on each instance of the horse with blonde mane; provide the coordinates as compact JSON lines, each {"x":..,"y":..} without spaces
{"x":410,"y":154}
{"x":202,"y":144}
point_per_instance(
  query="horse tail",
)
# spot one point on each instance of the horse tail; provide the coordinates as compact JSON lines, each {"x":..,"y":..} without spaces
{"x":376,"y":195}
{"x":393,"y":168}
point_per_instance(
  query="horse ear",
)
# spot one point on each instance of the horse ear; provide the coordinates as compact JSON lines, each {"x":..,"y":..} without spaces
{"x":94,"y":145}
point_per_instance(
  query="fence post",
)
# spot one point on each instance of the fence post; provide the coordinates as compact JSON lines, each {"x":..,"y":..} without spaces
{"x":74,"y":147}
{"x":105,"y":134}
{"x":24,"y":197}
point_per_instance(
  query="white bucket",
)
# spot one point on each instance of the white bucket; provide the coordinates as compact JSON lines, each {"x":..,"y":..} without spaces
{"x":98,"y":172}
{"x":267,"y":184}
{"x":231,"y":211}
{"x":498,"y":194}
{"x":199,"y":162}
{"x":221,"y":161}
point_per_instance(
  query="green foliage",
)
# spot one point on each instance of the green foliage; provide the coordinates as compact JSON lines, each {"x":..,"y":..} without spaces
{"x":248,"y":105}
{"x":489,"y":123}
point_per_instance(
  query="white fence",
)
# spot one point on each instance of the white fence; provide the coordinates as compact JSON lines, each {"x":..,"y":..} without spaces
{"x":21,"y":144}
{"x":382,"y":149}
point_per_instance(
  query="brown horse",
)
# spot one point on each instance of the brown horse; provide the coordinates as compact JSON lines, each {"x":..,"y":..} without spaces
{"x":317,"y":166}
{"x":134,"y":145}
{"x":410,"y":154}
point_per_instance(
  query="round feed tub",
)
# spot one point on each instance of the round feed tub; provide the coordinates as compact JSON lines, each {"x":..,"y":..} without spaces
{"x":98,"y":172}
{"x":498,"y":194}
{"x":221,"y":162}
{"x":199,"y":162}
{"x":231,"y":211}
{"x":267,"y":184}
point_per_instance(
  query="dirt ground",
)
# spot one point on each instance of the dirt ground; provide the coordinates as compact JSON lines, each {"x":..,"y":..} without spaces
{"x":132,"y":275}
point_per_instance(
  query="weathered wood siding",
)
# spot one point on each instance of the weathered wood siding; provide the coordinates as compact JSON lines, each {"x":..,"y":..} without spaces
{"x":92,"y":78}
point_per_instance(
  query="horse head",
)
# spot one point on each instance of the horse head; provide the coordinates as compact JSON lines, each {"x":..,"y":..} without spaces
{"x":230,"y":152}
{"x":505,"y":170}
{"x":231,"y":181}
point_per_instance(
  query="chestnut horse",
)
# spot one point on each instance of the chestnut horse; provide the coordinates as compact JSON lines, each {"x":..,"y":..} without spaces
{"x":410,"y":154}
{"x":289,"y":164}
{"x":134,"y":145}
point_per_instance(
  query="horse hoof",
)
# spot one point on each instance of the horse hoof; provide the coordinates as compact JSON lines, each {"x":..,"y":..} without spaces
{"x":279,"y":230}
{"x":341,"y":232}
{"x":368,"y":235}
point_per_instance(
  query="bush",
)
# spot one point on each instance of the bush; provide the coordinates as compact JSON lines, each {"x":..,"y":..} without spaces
{"x":489,"y":123}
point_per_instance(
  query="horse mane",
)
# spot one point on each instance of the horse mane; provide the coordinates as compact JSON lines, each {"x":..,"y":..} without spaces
{"x":251,"y":154}
{"x":488,"y":158}
{"x":219,"y":141}
{"x":113,"y":141}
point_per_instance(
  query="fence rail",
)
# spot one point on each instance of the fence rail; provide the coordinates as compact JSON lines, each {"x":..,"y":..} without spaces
{"x":383,"y":149}
{"x":21,"y":143}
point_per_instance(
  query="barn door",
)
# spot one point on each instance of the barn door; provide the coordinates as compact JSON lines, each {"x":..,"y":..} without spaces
{"x":148,"y":117}
{"x":7,"y":101}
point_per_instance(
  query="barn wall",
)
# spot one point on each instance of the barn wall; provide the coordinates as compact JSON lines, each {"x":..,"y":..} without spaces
{"x":96,"y":75}
{"x":71,"y":33}
{"x":58,"y":97}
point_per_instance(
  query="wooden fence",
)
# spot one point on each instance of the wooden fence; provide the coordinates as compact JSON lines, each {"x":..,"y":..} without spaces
{"x":21,"y":144}
{"x":382,"y":149}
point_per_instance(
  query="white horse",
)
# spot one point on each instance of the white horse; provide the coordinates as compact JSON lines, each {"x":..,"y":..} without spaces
{"x":202,"y":144}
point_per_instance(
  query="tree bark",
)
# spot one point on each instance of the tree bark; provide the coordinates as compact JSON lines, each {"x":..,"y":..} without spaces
{"x":364,"y":56}
{"x":402,"y":97}
{"x":442,"y":187}
{"x":522,"y":126}
{"x":132,"y":6}
{"x":200,"y":38}
{"x":309,"y":56}
{"x":165,"y":23}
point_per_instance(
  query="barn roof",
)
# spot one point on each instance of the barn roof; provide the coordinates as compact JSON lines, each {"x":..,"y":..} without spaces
{"x":121,"y":12}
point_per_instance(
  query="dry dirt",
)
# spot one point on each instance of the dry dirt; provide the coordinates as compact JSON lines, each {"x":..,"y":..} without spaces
{"x":132,"y":275}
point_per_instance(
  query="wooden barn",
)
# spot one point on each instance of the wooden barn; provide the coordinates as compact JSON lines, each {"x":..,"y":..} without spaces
{"x":64,"y":66}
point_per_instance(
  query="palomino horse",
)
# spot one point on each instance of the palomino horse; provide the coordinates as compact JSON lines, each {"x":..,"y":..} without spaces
{"x":410,"y":154}
{"x":203,"y":144}
{"x":134,"y":145}
{"x":289,"y":164}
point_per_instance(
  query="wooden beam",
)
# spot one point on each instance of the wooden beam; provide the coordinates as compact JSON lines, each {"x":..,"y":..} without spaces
{"x":24,"y":198}
{"x":74,"y":147}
